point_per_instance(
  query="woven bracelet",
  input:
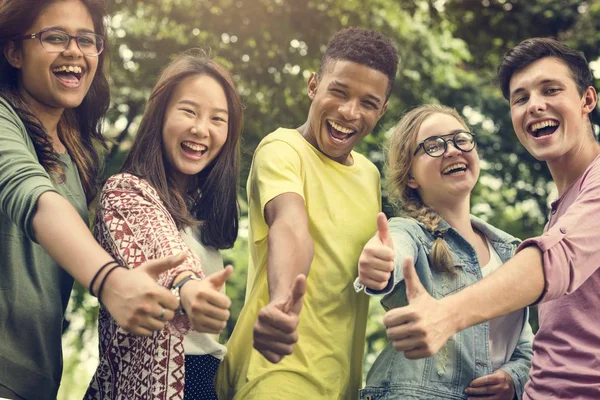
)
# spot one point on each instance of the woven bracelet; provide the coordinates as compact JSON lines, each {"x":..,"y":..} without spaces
{"x":97,"y":274}
{"x":104,"y":280}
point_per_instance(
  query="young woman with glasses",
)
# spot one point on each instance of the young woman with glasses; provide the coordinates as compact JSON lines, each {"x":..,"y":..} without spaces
{"x":53,"y":96}
{"x":432,"y":167}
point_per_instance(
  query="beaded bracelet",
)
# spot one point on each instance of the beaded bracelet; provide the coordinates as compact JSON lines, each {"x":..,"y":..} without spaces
{"x":97,"y":274}
{"x":104,"y":280}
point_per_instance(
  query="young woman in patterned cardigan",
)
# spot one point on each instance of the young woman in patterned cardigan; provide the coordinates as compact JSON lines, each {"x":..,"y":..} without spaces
{"x":177,"y":192}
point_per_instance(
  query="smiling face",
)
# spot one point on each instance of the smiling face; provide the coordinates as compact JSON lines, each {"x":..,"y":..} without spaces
{"x":55,"y":81}
{"x":549,"y":115}
{"x":195,"y":127}
{"x":347,"y":102}
{"x":443,"y":179}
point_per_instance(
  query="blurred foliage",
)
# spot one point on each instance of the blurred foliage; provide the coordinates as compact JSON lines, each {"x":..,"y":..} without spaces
{"x":449,"y":52}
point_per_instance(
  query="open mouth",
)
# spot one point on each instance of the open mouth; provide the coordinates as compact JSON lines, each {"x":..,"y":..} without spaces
{"x":69,"y":74}
{"x":455,"y":169}
{"x":194,"y":149}
{"x":543,"y":128}
{"x":339,"y":133}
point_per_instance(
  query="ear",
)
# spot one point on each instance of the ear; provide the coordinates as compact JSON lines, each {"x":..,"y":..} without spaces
{"x":383,"y":109}
{"x":13,"y":55}
{"x":590,"y":98}
{"x":412,"y":183}
{"x":312,"y":84}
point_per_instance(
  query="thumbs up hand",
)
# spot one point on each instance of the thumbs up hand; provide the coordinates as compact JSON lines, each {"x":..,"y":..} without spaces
{"x":425,"y":325}
{"x":276,"y":329}
{"x":376,"y":262}
{"x":205,"y":305}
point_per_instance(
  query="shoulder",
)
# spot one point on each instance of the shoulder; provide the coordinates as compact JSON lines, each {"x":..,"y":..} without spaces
{"x":405,"y":225}
{"x":493,"y":233}
{"x":9,"y":115}
{"x":130,"y":184}
{"x":283,"y":137}
{"x":364,"y":163}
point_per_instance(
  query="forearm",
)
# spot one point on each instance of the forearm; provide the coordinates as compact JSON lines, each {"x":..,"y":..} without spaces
{"x":517,"y":284}
{"x":290,"y":253}
{"x":64,"y":235}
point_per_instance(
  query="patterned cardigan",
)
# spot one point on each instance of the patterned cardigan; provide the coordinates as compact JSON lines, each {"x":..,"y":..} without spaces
{"x":133,"y":225}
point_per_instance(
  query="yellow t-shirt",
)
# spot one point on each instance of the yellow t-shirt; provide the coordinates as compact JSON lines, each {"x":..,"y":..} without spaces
{"x":342,"y":203}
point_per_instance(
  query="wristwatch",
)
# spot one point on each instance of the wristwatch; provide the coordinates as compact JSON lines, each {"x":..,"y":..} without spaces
{"x":177,"y":287}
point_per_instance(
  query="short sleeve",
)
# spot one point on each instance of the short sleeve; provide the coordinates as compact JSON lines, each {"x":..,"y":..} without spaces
{"x":22,"y":178}
{"x":276,"y":169}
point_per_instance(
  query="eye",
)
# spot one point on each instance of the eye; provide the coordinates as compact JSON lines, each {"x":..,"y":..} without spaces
{"x":552,"y":90}
{"x":338,"y":92}
{"x":370,"y":104}
{"x":520,"y":100}
{"x":188,"y":111}
{"x":55,"y":38}
{"x":219,"y":119}
{"x":86,"y":40}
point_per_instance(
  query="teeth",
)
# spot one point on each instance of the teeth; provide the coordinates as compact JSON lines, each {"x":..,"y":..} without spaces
{"x":340,"y":128}
{"x":195,"y":146}
{"x":543,"y":124}
{"x":68,"y":68}
{"x":453,"y":167}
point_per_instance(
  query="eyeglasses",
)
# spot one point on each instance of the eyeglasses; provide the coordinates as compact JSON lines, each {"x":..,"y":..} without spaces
{"x":436,"y":146}
{"x":57,"y":41}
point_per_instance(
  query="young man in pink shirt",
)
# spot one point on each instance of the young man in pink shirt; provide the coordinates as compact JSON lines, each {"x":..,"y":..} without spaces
{"x":549,"y":88}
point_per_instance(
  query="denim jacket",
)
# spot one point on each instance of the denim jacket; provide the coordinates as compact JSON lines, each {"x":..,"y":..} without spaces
{"x":466,"y":355}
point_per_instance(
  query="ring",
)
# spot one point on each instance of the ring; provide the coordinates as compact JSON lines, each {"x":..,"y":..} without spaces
{"x":162,"y":314}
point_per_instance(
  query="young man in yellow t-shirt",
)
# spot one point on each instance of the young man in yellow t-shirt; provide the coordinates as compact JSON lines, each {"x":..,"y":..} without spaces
{"x":312,"y":206}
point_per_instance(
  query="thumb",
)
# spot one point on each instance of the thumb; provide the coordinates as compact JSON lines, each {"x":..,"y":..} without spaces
{"x":383,"y":231}
{"x":156,"y":267}
{"x":414,"y":287}
{"x":219,"y":278}
{"x":293,"y":304}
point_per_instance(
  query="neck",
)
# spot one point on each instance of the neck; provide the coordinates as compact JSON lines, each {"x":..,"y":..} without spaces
{"x":569,"y":167}
{"x":49,"y":117}
{"x":457,"y":214}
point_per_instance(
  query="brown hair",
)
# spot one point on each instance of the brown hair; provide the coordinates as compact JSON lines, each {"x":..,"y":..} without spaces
{"x":400,"y":148}
{"x":211,"y":198}
{"x":80,"y":128}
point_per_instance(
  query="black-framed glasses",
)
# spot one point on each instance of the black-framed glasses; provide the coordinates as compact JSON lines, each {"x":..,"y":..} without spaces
{"x":436,"y":146}
{"x":56,"y":41}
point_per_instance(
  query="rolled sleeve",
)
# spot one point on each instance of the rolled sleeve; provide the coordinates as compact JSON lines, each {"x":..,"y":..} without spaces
{"x":570,"y":245}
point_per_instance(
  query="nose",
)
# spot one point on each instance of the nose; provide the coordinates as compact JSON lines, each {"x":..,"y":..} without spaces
{"x":72,"y":48}
{"x":451,"y":149}
{"x":349,"y":110}
{"x":536,"y":104}
{"x":200,"y":128}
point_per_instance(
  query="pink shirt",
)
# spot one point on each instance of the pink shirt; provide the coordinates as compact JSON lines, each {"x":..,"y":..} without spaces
{"x":566,"y":358}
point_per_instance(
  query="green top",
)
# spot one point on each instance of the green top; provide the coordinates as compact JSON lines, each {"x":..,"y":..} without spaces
{"x":34,"y":290}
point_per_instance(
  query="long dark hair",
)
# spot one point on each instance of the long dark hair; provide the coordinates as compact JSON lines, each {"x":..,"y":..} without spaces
{"x":212,"y":193}
{"x":80,"y":128}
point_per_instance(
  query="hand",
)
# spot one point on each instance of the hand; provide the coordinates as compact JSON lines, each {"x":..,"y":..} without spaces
{"x":421,"y":328}
{"x":376,"y":261}
{"x":496,"y":386}
{"x":136,"y":301}
{"x":205,"y":305}
{"x":276,"y":329}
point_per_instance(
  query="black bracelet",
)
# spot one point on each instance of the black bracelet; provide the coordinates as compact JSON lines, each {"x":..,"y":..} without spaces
{"x":104,"y":280}
{"x":97,"y":274}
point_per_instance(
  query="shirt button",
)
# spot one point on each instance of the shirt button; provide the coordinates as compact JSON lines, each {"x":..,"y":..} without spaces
{"x":563,"y":230}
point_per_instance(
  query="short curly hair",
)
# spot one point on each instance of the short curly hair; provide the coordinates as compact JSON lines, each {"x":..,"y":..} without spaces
{"x":363,"y":46}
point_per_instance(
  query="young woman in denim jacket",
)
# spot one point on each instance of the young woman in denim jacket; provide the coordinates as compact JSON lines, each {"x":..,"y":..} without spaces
{"x":432,"y":168}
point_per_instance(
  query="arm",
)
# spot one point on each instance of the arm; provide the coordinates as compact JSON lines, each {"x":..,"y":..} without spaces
{"x":29,"y":200}
{"x":290,"y":253}
{"x":290,"y":246}
{"x":135,"y":225}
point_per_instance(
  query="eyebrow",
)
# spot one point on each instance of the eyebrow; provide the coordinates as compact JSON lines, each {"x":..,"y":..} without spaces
{"x":194,"y":104}
{"x":81,"y":30}
{"x":542,"y":82}
{"x":371,"y":96}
